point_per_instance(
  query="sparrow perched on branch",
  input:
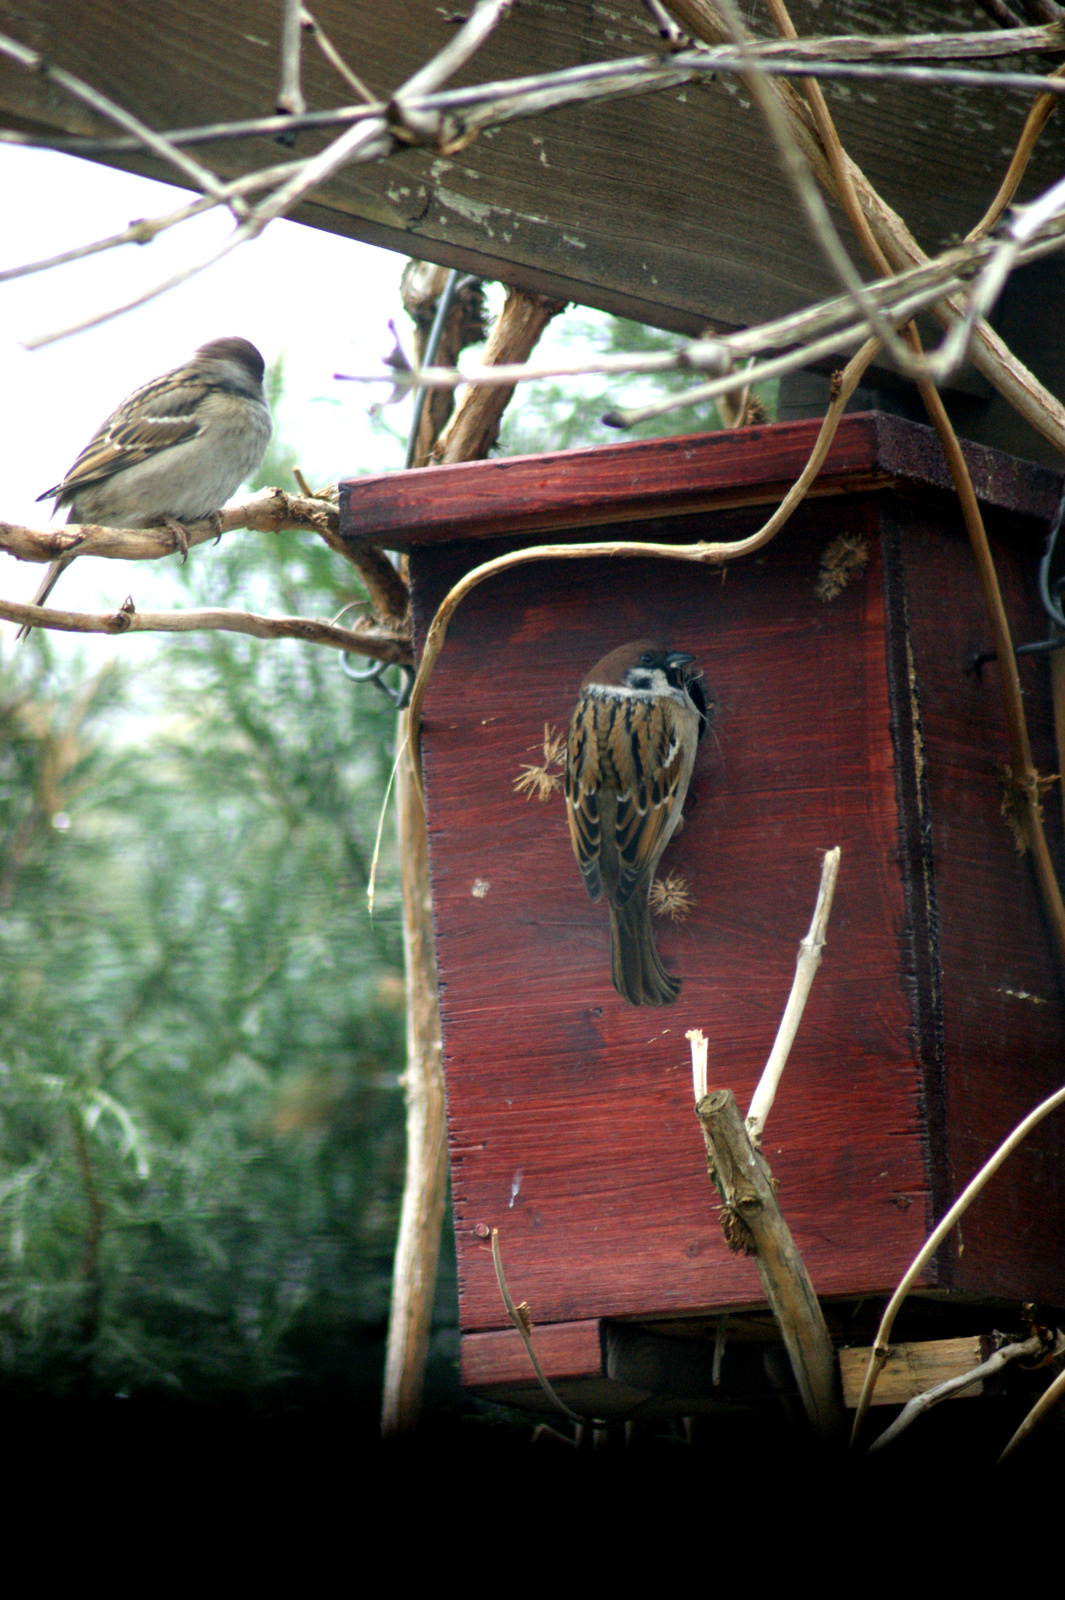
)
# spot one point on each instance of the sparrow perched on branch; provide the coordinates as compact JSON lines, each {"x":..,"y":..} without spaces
{"x":629,"y":756}
{"x":174,"y":452}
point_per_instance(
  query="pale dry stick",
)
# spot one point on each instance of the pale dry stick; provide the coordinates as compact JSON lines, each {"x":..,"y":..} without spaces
{"x":942,"y":1391}
{"x":1016,"y":231}
{"x":880,"y":1349}
{"x":902,"y":310}
{"x":424,"y":1204}
{"x":203,"y":133}
{"x":193,"y":171}
{"x":522,"y":1324}
{"x":991,"y":356}
{"x":290,"y":94}
{"x":423,"y":118}
{"x":425,"y":1183}
{"x":755,"y":372}
{"x":804,"y":187}
{"x":1034,"y":123}
{"x":145,"y":229}
{"x":365,"y":140}
{"x":807,"y":963}
{"x":382,"y":644}
{"x":1050,"y":1397}
{"x":479,"y":106}
{"x":953,"y":350}
{"x":699,"y":552}
{"x":333,"y":56}
{"x":667,"y":29}
{"x":1023,"y":772}
{"x":477,"y":27}
{"x":700,"y":1045}
{"x":982,"y":296}
{"x":902,"y":295}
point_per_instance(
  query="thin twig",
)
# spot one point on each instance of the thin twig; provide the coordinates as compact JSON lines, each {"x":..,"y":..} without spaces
{"x":942,"y":1391}
{"x":1046,"y":1402}
{"x":383,"y":644}
{"x":312,"y":26}
{"x":290,"y":95}
{"x":523,"y":1325}
{"x":809,"y":959}
{"x":880,"y":1349}
{"x":199,"y":176}
{"x":145,"y":229}
{"x":902,"y":296}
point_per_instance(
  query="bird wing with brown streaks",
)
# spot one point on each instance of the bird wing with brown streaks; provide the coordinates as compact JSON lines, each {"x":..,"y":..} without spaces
{"x":627,"y":751}
{"x":156,"y":416}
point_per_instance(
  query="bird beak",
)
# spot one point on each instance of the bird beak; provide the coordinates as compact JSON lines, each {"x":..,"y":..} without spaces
{"x":679,"y":658}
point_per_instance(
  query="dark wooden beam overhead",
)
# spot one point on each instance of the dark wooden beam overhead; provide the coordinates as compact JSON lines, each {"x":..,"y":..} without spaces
{"x":669,"y":208}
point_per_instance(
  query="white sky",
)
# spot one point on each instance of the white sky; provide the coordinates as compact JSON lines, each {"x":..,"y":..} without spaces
{"x":324,"y":301}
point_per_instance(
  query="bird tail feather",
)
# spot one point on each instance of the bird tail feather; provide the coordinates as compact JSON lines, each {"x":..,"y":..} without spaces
{"x":638,"y":973}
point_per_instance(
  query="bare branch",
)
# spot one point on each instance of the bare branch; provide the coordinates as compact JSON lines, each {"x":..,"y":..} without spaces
{"x":943,"y":1391}
{"x":383,"y":644}
{"x":520,"y":1318}
{"x":936,"y":1238}
{"x":809,"y":959}
{"x":199,"y":176}
{"x":1050,"y":1397}
{"x":484,"y":19}
{"x":290,"y":95}
{"x":145,"y":229}
{"x":270,"y":511}
{"x":312,"y":26}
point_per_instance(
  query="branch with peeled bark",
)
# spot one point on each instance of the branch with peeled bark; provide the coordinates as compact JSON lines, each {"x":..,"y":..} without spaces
{"x":474,"y":428}
{"x":990,"y":355}
{"x":270,"y":511}
{"x":381,"y":644}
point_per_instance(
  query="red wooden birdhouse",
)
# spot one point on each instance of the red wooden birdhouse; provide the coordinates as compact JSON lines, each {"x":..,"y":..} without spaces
{"x":839,"y":658}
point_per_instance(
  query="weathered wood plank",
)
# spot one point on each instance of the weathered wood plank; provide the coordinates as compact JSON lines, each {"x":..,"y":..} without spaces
{"x":578,"y":489}
{"x":564,"y":1350}
{"x":668,"y":208}
{"x":911,"y":1369}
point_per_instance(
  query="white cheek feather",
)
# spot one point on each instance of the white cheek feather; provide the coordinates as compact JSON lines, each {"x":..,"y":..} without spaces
{"x":624,"y":691}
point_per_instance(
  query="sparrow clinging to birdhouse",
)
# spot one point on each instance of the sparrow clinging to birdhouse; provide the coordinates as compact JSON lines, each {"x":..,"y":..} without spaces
{"x":629,"y":756}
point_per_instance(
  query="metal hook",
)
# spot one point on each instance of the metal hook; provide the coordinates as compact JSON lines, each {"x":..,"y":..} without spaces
{"x":375,"y":672}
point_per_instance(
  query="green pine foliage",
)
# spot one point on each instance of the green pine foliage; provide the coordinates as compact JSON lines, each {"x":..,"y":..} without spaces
{"x":201,"y":1028}
{"x":563,"y":414}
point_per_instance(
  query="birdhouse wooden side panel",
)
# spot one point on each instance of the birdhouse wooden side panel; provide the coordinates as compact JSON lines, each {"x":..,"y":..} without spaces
{"x":992,"y":1044}
{"x":571,"y":1115}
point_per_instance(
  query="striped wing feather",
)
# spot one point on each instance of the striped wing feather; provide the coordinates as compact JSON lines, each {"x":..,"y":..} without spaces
{"x":623,"y":767}
{"x":156,"y":417}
